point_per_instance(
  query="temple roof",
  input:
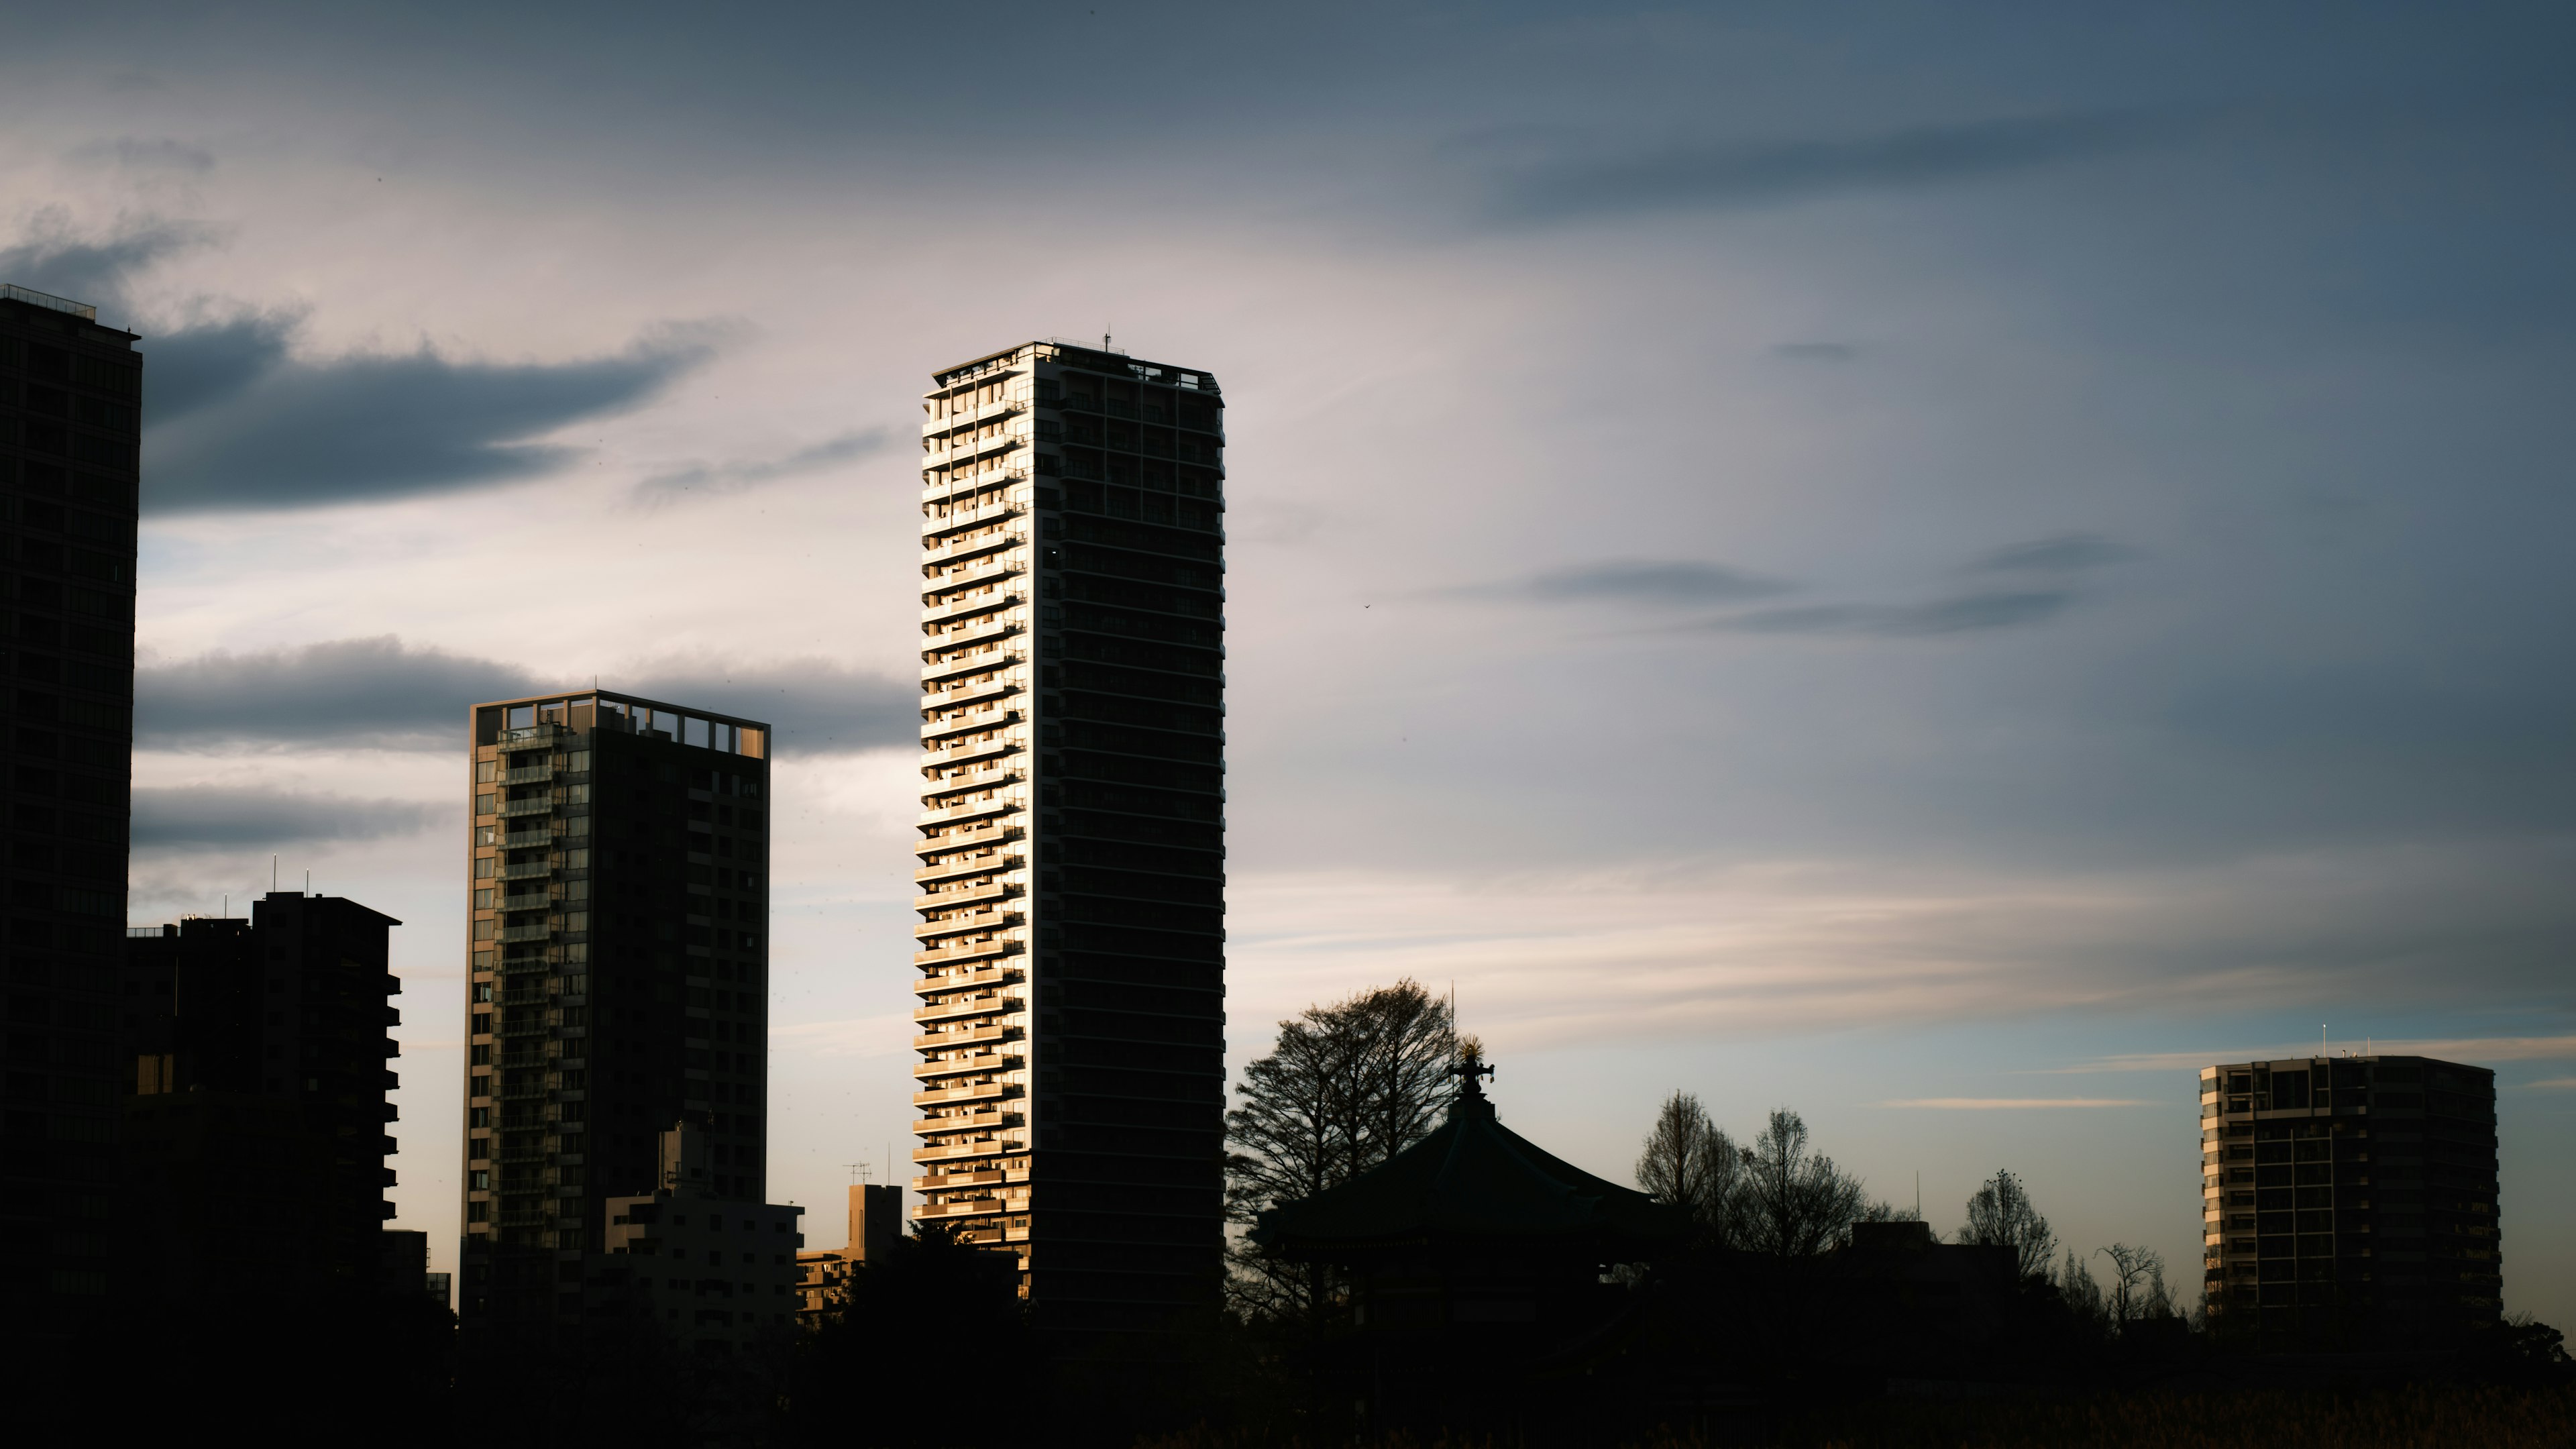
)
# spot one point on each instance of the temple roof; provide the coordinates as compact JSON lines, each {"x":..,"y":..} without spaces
{"x":1471,"y":1178}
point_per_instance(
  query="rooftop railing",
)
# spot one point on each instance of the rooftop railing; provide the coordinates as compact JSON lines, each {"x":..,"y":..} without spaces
{"x":34,"y":298}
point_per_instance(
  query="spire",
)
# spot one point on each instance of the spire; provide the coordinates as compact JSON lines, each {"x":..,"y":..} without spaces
{"x":1468,"y":1068}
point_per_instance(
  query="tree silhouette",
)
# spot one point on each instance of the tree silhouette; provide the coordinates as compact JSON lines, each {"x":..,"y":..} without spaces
{"x":2000,"y":1215}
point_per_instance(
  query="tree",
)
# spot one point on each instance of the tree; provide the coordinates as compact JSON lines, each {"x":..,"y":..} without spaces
{"x":1796,"y":1203}
{"x":2137,"y":1284}
{"x":2000,"y":1215}
{"x":1346,"y":1087}
{"x":1690,"y":1162}
{"x":2082,"y":1294}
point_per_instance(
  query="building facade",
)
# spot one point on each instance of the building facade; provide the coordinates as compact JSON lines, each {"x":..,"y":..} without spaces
{"x":715,"y":1273}
{"x":618,"y":876}
{"x":69,"y":391}
{"x":823,"y":1274}
{"x":2352,"y":1196}
{"x":1072,"y":854}
{"x":257,"y":1114}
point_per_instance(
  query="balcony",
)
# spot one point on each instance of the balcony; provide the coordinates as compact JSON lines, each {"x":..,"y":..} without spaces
{"x":527,"y":869}
{"x":974,"y":810}
{"x":535,"y":805}
{"x":955,"y":1151}
{"x":958,"y":839}
{"x":973,"y":631}
{"x":970,"y":865}
{"x":539,"y":932}
{"x":982,"y":719}
{"x":983,"y":920}
{"x":529,"y":774}
{"x":979,"y":604}
{"x":967,"y":575}
{"x":978,"y":1207}
{"x":976,"y":482}
{"x":969,"y":695}
{"x":977,"y":662}
{"x":984,"y":779}
{"x":1001,"y":408}
{"x":979,"y":1092}
{"x":968,"y":750}
{"x":982,"y":543}
{"x":964,"y":518}
{"x":971,"y":1006}
{"x":990,"y":891}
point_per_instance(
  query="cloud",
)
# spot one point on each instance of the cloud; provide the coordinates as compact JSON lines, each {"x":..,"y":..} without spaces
{"x":207,"y":363}
{"x":2061,"y":553}
{"x":369,"y":427}
{"x":2554,"y":1083}
{"x":136,"y":154}
{"x":381,"y":693}
{"x":58,"y":257}
{"x":1998,"y":1104}
{"x":1742,"y":176}
{"x":1639,"y":581}
{"x":234,"y":817}
{"x":1962,"y":614}
{"x":1815,"y":351}
{"x":721,"y":478}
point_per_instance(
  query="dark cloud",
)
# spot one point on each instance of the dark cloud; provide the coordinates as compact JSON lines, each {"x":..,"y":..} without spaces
{"x":375,"y":427}
{"x":136,"y":154}
{"x":1963,"y":614}
{"x":59,"y":258}
{"x":1674,"y":583}
{"x":1815,"y":351}
{"x":212,"y":361}
{"x":720,"y":478}
{"x":380,"y":693}
{"x":239,"y":817}
{"x":1760,"y":174}
{"x":369,"y":692}
{"x":2063,"y":553}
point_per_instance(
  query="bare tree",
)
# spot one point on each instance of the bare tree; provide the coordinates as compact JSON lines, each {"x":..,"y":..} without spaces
{"x":1347,"y":1086}
{"x":2137,"y":1284}
{"x":2082,"y":1293}
{"x":1796,"y":1202}
{"x":1690,"y":1162}
{"x":2000,"y":1215}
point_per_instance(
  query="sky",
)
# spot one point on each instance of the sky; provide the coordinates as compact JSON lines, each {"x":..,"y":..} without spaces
{"x":1936,"y":566}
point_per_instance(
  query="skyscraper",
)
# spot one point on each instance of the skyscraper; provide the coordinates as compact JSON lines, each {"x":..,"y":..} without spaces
{"x":2351,"y":1196}
{"x":69,"y":390}
{"x":619,"y":877}
{"x":260,"y":1057}
{"x":1072,"y":856}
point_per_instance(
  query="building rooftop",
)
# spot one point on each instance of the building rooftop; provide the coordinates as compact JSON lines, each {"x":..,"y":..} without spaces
{"x":34,"y":298}
{"x":1103,"y":358}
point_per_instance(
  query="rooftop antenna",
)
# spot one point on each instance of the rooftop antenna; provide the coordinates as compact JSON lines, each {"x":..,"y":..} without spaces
{"x":272,"y":875}
{"x":1918,"y":1194}
{"x":308,"y":880}
{"x":858,"y":1171}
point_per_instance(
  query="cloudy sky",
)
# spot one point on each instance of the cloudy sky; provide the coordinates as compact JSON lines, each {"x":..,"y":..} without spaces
{"x":1936,"y":565}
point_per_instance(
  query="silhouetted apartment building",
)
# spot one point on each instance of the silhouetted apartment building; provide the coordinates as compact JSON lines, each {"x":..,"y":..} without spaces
{"x":823,"y":1274}
{"x":69,"y":389}
{"x":2351,"y":1195}
{"x":618,"y":870}
{"x":714,"y":1272}
{"x":255,"y":1111}
{"x":1072,"y":856}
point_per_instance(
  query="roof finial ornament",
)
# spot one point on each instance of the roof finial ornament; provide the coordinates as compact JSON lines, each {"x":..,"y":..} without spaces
{"x":1470,"y":1065}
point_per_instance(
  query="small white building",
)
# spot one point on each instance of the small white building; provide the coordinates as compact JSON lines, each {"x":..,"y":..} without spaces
{"x":718,"y":1273}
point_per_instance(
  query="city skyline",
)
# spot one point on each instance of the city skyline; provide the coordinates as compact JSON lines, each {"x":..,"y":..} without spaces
{"x":1948,"y":583}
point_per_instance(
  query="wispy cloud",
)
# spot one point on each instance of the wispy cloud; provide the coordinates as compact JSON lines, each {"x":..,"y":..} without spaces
{"x":2061,"y":553}
{"x":721,"y":478}
{"x":1815,"y":351}
{"x":136,"y":153}
{"x":60,"y":257}
{"x":1960,"y":614}
{"x":2554,"y":1083}
{"x":1662,"y":582}
{"x":382,"y":693}
{"x":2001,"y":1104}
{"x":1744,"y":175}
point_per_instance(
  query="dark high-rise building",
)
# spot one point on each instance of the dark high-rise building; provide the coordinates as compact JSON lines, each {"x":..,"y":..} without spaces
{"x":69,"y":389}
{"x":618,"y":985}
{"x":2352,"y":1197}
{"x":1072,"y":855}
{"x":255,"y":1126}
